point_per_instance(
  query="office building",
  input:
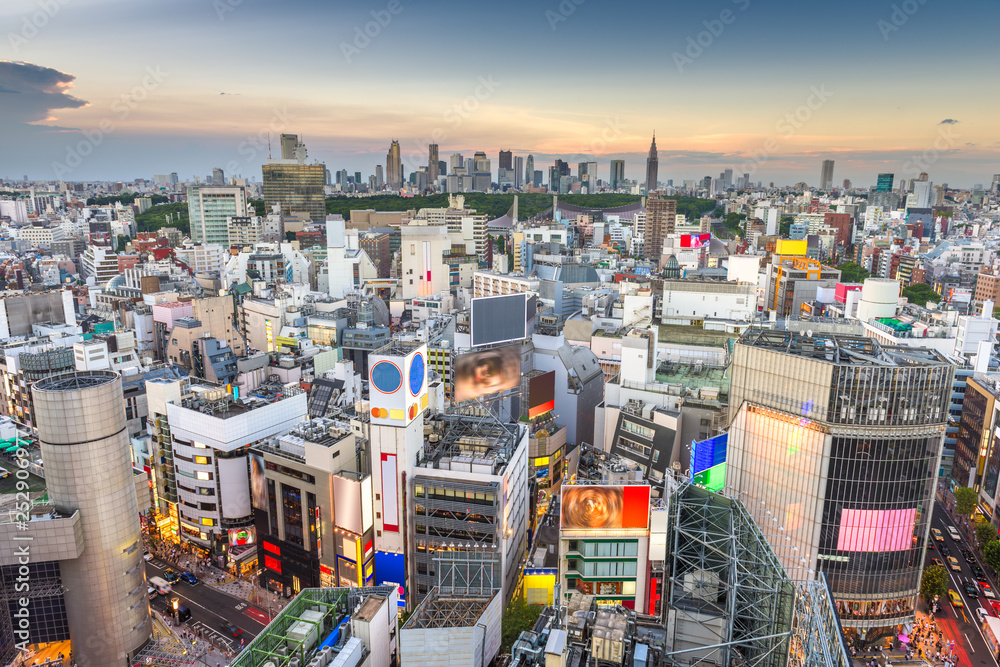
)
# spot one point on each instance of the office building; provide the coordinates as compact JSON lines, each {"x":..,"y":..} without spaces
{"x":292,"y":148}
{"x":218,"y":177}
{"x":826,"y":175}
{"x":433,"y":165}
{"x":245,"y":231}
{"x":975,"y":429}
{"x":884,"y":183}
{"x":617,"y":173}
{"x":299,"y":188}
{"x":81,"y":430}
{"x":529,"y":170}
{"x":661,"y":218}
{"x":209,"y":210}
{"x":519,"y":172}
{"x":506,"y":159}
{"x":838,"y":438}
{"x":394,"y":167}
{"x":652,"y":167}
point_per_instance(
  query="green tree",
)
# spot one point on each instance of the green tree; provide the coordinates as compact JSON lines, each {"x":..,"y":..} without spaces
{"x":851,"y":272}
{"x":965,"y":500}
{"x":986,"y":532}
{"x":785,"y":226}
{"x":121,"y":242}
{"x":934,"y":583}
{"x":992,"y":554}
{"x":920,"y":294}
{"x":518,"y":617}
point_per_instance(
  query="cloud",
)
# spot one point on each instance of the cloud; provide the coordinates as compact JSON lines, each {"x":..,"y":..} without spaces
{"x":34,"y":91}
{"x":948,"y":121}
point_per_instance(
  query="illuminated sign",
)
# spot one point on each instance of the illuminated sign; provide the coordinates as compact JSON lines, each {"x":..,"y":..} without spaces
{"x":605,"y":507}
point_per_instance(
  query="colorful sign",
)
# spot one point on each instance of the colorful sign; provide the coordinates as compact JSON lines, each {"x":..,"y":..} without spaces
{"x":605,"y":507}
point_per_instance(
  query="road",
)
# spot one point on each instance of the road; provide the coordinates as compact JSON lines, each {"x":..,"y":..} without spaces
{"x":209,"y":608}
{"x":960,"y":624}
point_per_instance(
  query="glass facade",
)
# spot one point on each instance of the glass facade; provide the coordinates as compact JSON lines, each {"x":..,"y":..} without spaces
{"x":299,"y":188}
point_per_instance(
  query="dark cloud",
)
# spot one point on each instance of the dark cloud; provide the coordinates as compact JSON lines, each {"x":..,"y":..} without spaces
{"x":34,"y":91}
{"x":948,"y":121}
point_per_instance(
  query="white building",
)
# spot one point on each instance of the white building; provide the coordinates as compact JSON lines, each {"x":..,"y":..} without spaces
{"x":99,"y":263}
{"x":270,"y":262}
{"x":202,"y":258}
{"x":41,"y":237}
{"x":348,"y":266}
{"x":690,"y":301}
{"x":489,"y":283}
{"x":423,"y":271}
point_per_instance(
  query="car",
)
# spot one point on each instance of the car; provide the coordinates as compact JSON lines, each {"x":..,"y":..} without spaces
{"x":954,"y":564}
{"x":151,"y":592}
{"x":956,"y":599}
{"x":971,"y":589}
{"x":171,"y":576}
{"x":937,"y":561}
{"x":987,"y":590}
{"x":945,"y":550}
{"x":938,"y":536}
{"x":188,"y":577}
{"x":231,"y":630}
{"x":953,"y":533}
{"x":4,"y":473}
{"x":981,"y":614}
{"x":995,"y":606}
{"x":146,"y":556}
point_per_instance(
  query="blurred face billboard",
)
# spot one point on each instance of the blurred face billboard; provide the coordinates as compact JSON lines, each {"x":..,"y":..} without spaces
{"x":258,"y":483}
{"x":487,"y":372}
{"x":605,"y":507}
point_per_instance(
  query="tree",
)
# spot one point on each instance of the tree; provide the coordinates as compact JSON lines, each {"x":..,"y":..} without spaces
{"x":965,"y":500}
{"x":785,"y":226}
{"x":986,"y":532}
{"x":851,"y":272}
{"x":934,"y":583}
{"x":517,"y":618}
{"x":992,"y":555}
{"x":920,"y":294}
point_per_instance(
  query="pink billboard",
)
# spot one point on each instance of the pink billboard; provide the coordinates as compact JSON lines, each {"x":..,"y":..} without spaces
{"x":876,"y":530}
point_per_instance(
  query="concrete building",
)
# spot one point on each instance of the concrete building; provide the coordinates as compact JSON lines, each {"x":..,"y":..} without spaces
{"x":297,"y":187}
{"x":839,"y":438}
{"x":209,"y":209}
{"x":19,"y":311}
{"x":423,"y":271}
{"x":489,"y":283}
{"x":245,"y":231}
{"x":690,"y":302}
{"x":82,"y":435}
{"x":661,"y":217}
{"x":458,"y":629}
{"x":99,"y":263}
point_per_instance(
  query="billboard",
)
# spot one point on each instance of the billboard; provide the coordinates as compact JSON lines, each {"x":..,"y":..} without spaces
{"x":347,"y":504}
{"x":258,"y":482}
{"x":390,"y":497}
{"x":876,"y":530}
{"x":487,"y":372}
{"x":604,"y":507}
{"x":239,"y":537}
{"x":695,"y":240}
{"x":499,"y":319}
{"x":390,"y":570}
{"x":541,"y":394}
{"x":398,"y":386}
{"x":708,"y":453}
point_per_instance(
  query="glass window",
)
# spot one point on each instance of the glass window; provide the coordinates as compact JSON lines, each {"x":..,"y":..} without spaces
{"x":204,"y":476}
{"x":203,"y":460}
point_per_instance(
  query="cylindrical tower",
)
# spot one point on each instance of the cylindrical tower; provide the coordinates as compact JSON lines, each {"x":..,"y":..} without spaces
{"x":879,"y":297}
{"x":85,"y":450}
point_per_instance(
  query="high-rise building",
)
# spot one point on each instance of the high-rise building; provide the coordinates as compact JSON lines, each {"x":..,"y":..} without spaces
{"x":456,"y":161}
{"x":519,"y":172}
{"x":298,"y":187}
{"x":88,"y":472}
{"x":218,"y":177}
{"x":529,"y":170}
{"x":506,"y":159}
{"x":292,"y":148}
{"x":837,"y":440}
{"x":652,"y":167}
{"x":394,"y":167}
{"x":826,"y":175}
{"x":617,"y":173}
{"x":209,"y":210}
{"x":432,"y":163}
{"x":379,"y":177}
{"x":661,"y":219}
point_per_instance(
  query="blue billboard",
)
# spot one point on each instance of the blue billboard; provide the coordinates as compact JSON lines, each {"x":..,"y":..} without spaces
{"x":708,"y":453}
{"x":390,"y":570}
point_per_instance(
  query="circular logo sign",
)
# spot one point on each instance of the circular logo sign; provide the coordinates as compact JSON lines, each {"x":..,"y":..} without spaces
{"x":417,"y":374}
{"x":386,"y":377}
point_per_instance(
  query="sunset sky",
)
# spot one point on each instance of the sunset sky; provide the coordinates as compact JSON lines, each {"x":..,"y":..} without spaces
{"x":145,"y":87}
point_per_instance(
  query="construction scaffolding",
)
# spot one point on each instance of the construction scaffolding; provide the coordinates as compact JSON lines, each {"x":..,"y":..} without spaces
{"x":813,"y":641}
{"x":723,"y":581}
{"x":440,"y":610}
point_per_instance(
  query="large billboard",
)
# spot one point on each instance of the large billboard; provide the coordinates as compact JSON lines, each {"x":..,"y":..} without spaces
{"x":239,"y":537}
{"x":541,"y":394}
{"x":499,"y":319}
{"x":604,"y":507}
{"x":487,"y":372}
{"x":347,"y":504}
{"x":876,"y":530}
{"x":258,"y":482}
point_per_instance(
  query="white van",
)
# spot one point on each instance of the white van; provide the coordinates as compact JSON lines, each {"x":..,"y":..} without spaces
{"x":161,"y":585}
{"x":954,"y":534}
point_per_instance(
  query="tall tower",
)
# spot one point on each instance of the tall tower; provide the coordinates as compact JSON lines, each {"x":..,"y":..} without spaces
{"x":617,"y":173}
{"x":529,"y":170}
{"x":652,"y":167}
{"x":661,"y":220}
{"x":394,"y":167}
{"x":432,"y":164}
{"x":85,"y":447}
{"x":826,"y":175}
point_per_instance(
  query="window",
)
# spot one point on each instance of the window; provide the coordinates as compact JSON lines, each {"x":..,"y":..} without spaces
{"x":204,"y":476}
{"x":203,"y":460}
{"x":207,"y":522}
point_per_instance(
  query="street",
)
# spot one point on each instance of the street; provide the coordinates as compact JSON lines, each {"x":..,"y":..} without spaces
{"x":960,"y":624}
{"x":209,"y":608}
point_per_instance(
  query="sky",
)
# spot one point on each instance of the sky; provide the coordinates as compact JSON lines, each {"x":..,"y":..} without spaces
{"x":125,"y":89}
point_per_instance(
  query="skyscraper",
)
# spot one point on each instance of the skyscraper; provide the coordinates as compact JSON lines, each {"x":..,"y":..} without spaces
{"x":661,"y":220}
{"x":379,"y":177}
{"x":210,"y":207}
{"x":432,"y":164}
{"x":518,"y":172}
{"x":652,"y":167}
{"x":826,"y":175}
{"x":884,"y":183}
{"x":394,"y":167}
{"x":218,"y":177}
{"x":617,"y":173}
{"x":456,"y":161}
{"x":506,"y":159}
{"x":529,"y":170}
{"x":298,"y":187}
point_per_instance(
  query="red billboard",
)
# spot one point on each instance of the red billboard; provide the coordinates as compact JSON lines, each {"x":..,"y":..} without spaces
{"x":695,"y":240}
{"x":541,"y":394}
{"x":605,"y":507}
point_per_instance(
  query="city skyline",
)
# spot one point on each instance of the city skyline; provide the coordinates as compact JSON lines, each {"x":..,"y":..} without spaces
{"x":206,"y":97}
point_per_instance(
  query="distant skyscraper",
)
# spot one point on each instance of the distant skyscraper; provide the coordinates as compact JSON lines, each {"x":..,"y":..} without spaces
{"x":826,"y":175}
{"x":617,"y":173}
{"x":518,"y":172}
{"x":455,"y":162}
{"x":379,"y":177}
{"x":529,"y":169}
{"x":652,"y":167}
{"x":288,"y":144}
{"x":394,"y":167}
{"x":506,"y":160}
{"x":432,"y":163}
{"x":218,"y":177}
{"x":581,"y":171}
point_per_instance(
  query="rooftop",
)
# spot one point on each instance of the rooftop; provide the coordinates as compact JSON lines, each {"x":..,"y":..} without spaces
{"x":481,"y":440}
{"x":840,"y":349}
{"x":451,"y":611}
